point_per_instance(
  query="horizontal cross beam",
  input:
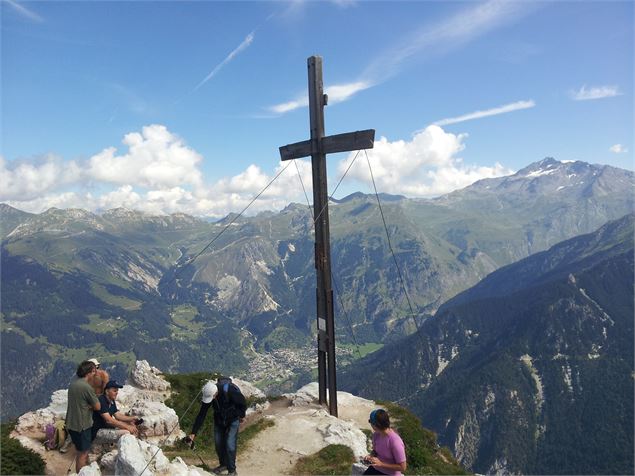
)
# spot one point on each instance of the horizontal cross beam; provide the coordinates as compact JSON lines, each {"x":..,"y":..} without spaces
{"x":329,"y":144}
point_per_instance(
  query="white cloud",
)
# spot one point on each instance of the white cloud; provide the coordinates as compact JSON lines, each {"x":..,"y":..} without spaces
{"x":156,"y":158}
{"x":288,"y":106}
{"x":425,"y":166}
{"x":516,"y":106}
{"x":159,"y":174}
{"x":336,"y":93}
{"x":26,"y":180}
{"x":243,"y":46}
{"x":596,"y":92}
{"x":456,"y":30}
{"x":618,"y":149}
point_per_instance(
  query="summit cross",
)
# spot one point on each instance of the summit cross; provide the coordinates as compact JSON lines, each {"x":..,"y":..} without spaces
{"x":317,"y":147}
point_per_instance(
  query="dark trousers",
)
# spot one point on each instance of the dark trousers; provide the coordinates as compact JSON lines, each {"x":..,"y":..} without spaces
{"x":225,"y":439}
{"x":372,"y":470}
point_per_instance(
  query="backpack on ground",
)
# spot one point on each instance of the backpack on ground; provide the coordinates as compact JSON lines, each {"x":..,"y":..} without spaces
{"x":49,"y":437}
{"x":60,"y":433}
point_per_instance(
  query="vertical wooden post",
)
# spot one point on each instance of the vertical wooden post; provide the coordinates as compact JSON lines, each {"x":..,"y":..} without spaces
{"x":325,"y":318}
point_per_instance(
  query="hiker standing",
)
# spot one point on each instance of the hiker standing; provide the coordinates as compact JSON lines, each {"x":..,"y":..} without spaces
{"x":79,"y":412}
{"x":229,"y":411}
{"x":389,"y":452}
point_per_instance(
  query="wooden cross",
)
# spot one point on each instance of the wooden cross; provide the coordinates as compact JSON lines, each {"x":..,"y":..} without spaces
{"x":317,"y":147}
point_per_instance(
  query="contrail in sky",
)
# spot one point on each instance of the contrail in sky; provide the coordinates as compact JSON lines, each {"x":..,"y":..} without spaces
{"x":25,"y":11}
{"x":246,"y":42}
{"x":488,"y":112}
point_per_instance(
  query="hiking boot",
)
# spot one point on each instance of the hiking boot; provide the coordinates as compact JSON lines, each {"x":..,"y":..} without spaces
{"x":233,"y":473}
{"x":220,"y":470}
{"x":66,"y":445}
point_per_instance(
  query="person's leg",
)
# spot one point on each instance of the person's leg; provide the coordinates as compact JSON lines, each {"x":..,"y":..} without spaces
{"x":232,"y":439}
{"x":82,"y":460}
{"x":220,"y":445}
{"x":82,"y":441}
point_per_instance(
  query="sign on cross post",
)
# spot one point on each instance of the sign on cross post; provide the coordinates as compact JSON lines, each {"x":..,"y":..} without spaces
{"x":317,"y":147}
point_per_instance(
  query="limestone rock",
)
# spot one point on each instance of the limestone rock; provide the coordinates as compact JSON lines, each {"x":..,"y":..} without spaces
{"x":134,"y":455}
{"x":247,"y":389}
{"x":108,"y":461}
{"x":179,"y":468}
{"x":146,"y":377}
{"x":35,"y":422}
{"x":339,"y":432}
{"x":90,"y":470}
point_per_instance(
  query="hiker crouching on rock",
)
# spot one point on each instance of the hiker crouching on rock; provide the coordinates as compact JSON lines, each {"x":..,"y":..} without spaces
{"x":81,"y":403}
{"x":229,"y":411}
{"x":389,"y":452}
{"x":109,"y":416}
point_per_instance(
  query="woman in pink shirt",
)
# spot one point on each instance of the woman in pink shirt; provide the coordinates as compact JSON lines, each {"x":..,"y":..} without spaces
{"x":389,"y":452}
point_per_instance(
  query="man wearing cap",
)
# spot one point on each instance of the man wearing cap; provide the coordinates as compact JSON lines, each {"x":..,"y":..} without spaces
{"x":99,"y":379}
{"x":81,"y":402}
{"x":229,"y":411}
{"x":109,"y":416}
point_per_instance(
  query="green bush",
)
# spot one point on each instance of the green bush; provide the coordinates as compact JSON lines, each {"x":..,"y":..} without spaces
{"x":15,"y":458}
{"x":332,"y":460}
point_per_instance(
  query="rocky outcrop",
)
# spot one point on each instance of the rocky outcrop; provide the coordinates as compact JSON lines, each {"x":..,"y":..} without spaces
{"x":300,"y":427}
{"x":147,"y":377}
{"x":143,"y":397}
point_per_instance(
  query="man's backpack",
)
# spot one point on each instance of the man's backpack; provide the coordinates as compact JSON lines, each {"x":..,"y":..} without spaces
{"x":229,"y":402}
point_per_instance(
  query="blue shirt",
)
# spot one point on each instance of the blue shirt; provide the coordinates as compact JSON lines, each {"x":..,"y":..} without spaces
{"x":106,"y":407}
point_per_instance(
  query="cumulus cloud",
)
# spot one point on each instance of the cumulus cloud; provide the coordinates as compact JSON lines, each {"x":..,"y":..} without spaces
{"x":425,"y":166}
{"x":595,"y":92}
{"x":159,"y":174}
{"x":26,"y":180}
{"x":618,"y":149}
{"x":156,"y":173}
{"x":156,"y":158}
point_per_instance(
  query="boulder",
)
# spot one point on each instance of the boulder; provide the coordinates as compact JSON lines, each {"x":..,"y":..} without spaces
{"x":90,"y":470}
{"x":247,"y":389}
{"x":135,"y":456}
{"x":34,"y":422}
{"x":146,"y":377}
{"x":108,"y":462}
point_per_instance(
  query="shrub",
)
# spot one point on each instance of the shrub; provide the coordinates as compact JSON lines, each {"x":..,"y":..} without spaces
{"x":15,"y":458}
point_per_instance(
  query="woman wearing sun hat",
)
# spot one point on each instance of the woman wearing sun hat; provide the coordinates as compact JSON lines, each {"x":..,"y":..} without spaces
{"x":389,"y":453}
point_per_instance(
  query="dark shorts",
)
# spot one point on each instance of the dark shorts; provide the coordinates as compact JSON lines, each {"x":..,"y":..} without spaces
{"x":82,"y":439}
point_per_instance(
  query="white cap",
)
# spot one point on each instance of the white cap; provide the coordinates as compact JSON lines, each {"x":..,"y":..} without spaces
{"x":94,"y":361}
{"x":209,"y":391}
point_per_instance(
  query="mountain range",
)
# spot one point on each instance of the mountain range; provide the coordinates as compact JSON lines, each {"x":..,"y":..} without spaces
{"x":122,"y":284}
{"x":531,"y":370}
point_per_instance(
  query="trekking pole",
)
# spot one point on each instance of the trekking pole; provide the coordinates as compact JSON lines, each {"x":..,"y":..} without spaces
{"x":68,"y":471}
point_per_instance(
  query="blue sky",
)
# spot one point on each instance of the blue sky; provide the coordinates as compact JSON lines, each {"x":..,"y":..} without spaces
{"x":181,"y":106}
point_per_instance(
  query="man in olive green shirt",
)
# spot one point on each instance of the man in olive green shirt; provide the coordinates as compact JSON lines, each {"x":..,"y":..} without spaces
{"x":79,"y":412}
